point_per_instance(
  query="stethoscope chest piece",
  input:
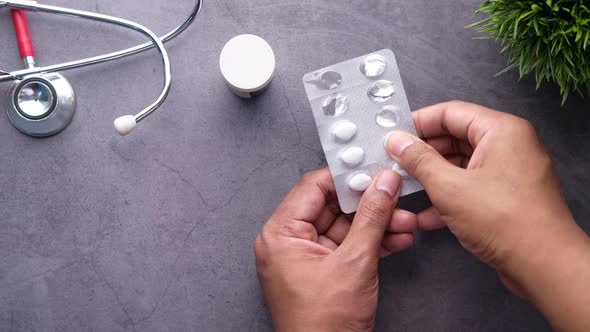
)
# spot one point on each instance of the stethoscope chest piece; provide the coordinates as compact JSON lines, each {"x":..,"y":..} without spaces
{"x":41,"y":102}
{"x":41,"y":105}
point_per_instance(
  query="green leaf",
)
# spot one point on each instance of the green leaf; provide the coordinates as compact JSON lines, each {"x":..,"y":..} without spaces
{"x":507,"y":69}
{"x":536,"y":25}
{"x":548,"y":39}
{"x":579,"y":35}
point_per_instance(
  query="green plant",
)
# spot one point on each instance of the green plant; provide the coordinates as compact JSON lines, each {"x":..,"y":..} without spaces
{"x":548,"y":37}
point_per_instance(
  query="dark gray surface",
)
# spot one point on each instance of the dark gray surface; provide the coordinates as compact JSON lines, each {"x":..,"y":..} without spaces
{"x":154,"y":231}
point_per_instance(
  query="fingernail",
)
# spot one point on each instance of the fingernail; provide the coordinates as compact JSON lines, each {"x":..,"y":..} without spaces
{"x":398,"y":142}
{"x":388,"y":182}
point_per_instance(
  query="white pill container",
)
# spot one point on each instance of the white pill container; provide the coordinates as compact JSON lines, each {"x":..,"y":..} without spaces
{"x":247,"y":63}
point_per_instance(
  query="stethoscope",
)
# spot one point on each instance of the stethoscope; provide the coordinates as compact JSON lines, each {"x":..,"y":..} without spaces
{"x":41,"y":102}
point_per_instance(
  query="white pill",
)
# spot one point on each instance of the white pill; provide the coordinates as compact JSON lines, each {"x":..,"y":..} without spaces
{"x":344,"y":131}
{"x":360,"y":182}
{"x":399,"y":170}
{"x":353,"y":156}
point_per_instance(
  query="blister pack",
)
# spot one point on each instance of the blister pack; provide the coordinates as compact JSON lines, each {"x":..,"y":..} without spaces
{"x":356,"y":104}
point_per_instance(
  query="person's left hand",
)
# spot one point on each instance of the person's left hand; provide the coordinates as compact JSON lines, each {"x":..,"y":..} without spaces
{"x":318,"y":267}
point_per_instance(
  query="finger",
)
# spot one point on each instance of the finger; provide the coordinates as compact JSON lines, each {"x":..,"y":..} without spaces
{"x":307,"y":200}
{"x":298,"y":229}
{"x":394,"y":243}
{"x":384,"y":253}
{"x":464,"y":121}
{"x":327,"y":217}
{"x":429,"y":220}
{"x":403,"y":222}
{"x":373,"y":216}
{"x":450,"y":145}
{"x":422,"y":162}
{"x":466,"y":162}
{"x":458,"y":160}
{"x":337,"y":232}
{"x":455,"y":160}
{"x":326,"y":242}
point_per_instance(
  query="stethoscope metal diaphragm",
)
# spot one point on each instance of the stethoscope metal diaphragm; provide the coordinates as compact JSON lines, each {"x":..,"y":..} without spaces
{"x":41,"y":105}
{"x":35,"y":98}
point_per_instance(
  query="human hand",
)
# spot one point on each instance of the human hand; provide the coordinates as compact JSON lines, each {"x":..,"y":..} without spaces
{"x":489,"y":178}
{"x":317,"y":266}
{"x":492,"y":183}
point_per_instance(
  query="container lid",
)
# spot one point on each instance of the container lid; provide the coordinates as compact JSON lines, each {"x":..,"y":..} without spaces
{"x":247,"y":63}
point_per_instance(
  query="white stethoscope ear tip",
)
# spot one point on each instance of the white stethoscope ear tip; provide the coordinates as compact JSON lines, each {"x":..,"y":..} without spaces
{"x":125,"y":124}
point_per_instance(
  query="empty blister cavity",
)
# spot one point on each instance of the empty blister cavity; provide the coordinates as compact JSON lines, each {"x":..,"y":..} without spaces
{"x":360,"y":182}
{"x":344,"y":131}
{"x":327,"y":80}
{"x":388,"y":116}
{"x":373,"y":66}
{"x":335,"y":105}
{"x":381,"y":91}
{"x":353,"y":156}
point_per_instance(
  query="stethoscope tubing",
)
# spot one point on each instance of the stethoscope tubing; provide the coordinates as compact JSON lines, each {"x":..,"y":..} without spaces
{"x":9,"y":76}
{"x":155,"y":42}
{"x":23,"y":38}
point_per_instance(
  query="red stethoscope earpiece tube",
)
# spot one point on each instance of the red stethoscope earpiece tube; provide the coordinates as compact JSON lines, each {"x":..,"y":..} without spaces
{"x":23,"y":38}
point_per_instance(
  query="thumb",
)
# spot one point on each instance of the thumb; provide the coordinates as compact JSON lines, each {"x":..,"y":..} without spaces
{"x":373,"y":215}
{"x":420,"y":160}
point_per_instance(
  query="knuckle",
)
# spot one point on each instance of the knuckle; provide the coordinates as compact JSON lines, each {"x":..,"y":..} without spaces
{"x":420,"y":157}
{"x":455,"y":103}
{"x":288,"y":228}
{"x":458,"y":104}
{"x":297,"y":229}
{"x":262,"y":252}
{"x":526,"y":127}
{"x":309,"y":232}
{"x":519,"y":126}
{"x":308,"y":177}
{"x":489,"y":253}
{"x":313,"y":176}
{"x":545,"y":168}
{"x":259,"y":244}
{"x":373,"y":213}
{"x":545,"y":161}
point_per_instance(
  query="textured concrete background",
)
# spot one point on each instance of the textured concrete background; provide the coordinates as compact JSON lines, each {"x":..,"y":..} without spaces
{"x":154,"y":232}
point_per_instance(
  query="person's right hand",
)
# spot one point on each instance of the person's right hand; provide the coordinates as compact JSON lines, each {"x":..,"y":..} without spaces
{"x":492,"y":183}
